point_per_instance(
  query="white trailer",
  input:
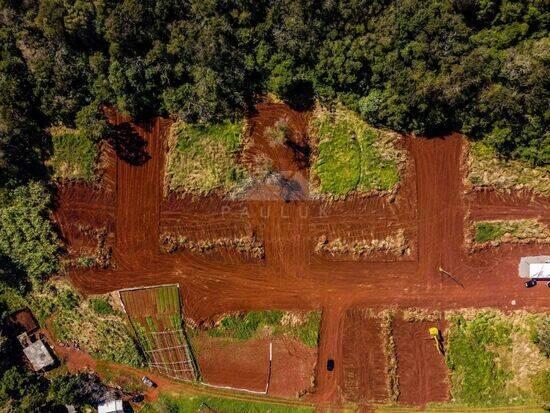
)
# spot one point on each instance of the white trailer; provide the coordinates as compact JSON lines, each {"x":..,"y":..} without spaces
{"x":535,"y":267}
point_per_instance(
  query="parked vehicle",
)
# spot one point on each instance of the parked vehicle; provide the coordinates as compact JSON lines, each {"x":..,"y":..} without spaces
{"x":330,"y":364}
{"x":148,"y":382}
{"x":530,"y":283}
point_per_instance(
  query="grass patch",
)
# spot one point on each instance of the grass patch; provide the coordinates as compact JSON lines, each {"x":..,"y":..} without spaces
{"x":351,"y":155}
{"x":493,"y":357}
{"x":251,"y":324}
{"x":475,"y":376}
{"x":487,"y":169}
{"x":101,"y":306}
{"x":203,"y":159}
{"x":511,"y":231}
{"x":74,"y":155}
{"x":541,"y":388}
{"x":188,"y":403}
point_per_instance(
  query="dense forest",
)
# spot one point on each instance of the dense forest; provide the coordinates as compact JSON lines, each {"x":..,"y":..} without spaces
{"x":430,"y":67}
{"x":480,"y":67}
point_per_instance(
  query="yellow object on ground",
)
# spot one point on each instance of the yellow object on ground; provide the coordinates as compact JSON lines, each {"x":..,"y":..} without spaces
{"x":436,"y":335}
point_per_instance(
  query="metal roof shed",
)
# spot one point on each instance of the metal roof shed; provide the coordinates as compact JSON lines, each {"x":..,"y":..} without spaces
{"x":535,"y":267}
{"x":38,"y":355}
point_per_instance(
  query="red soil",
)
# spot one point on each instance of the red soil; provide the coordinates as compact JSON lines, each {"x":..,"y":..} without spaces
{"x":245,"y":364}
{"x":430,"y":206}
{"x":421,"y":370}
{"x":363,"y":360}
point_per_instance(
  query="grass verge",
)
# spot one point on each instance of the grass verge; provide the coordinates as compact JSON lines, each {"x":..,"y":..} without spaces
{"x":74,"y":155}
{"x":203,"y":159}
{"x":486,"y":169}
{"x":351,"y":156}
{"x":197,"y":403}
{"x":523,"y":230}
{"x":304,"y":327}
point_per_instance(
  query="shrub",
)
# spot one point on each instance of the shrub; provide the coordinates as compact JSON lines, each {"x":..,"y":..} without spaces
{"x":541,"y":388}
{"x":542,"y":338}
{"x":26,"y":233}
{"x":101,"y":306}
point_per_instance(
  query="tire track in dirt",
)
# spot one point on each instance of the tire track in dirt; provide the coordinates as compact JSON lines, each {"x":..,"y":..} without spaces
{"x":363,"y":360}
{"x":421,"y":370}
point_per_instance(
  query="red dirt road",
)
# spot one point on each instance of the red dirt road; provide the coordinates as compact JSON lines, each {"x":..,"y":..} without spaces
{"x":430,"y":207}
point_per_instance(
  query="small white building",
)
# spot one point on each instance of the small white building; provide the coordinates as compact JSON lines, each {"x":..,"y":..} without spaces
{"x":112,"y":406}
{"x":535,"y":267}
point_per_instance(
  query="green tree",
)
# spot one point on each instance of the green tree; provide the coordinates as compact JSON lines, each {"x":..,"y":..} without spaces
{"x":26,"y":233}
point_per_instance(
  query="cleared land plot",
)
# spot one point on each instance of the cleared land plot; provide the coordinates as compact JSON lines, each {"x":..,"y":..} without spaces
{"x":155,"y":314}
{"x":421,"y":370}
{"x":235,"y":352}
{"x":364,"y":360}
{"x":202,"y":159}
{"x":351,"y":155}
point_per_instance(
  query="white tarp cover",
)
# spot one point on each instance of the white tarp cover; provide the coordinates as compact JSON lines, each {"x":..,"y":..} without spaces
{"x":535,"y":267}
{"x":113,"y":406}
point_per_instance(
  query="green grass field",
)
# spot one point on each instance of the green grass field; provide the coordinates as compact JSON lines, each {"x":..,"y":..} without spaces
{"x":74,"y":155}
{"x":203,"y":159}
{"x":188,"y":403}
{"x":493,"y":358}
{"x":352,"y":156}
{"x":517,"y":229}
{"x":249,"y":325}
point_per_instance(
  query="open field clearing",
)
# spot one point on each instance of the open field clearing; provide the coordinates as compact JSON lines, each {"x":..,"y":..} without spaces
{"x":235,"y":351}
{"x":429,"y":206}
{"x":202,"y":159}
{"x":351,"y":156}
{"x":74,"y":155}
{"x":364,"y":362}
{"x":421,"y":370}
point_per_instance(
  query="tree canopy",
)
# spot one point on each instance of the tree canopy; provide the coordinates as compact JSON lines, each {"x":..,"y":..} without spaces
{"x":430,"y":67}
